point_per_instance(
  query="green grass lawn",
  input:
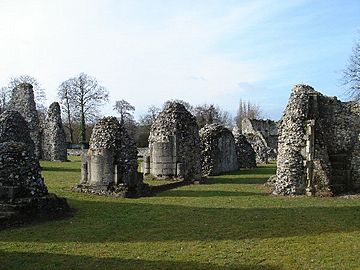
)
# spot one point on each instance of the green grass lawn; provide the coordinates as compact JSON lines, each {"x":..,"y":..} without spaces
{"x":229,"y":223}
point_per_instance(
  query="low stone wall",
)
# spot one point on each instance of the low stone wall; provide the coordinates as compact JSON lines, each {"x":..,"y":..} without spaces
{"x":143,"y":151}
{"x":76,"y":152}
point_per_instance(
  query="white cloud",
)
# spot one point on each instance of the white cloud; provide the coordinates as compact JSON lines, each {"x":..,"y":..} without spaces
{"x":143,"y":51}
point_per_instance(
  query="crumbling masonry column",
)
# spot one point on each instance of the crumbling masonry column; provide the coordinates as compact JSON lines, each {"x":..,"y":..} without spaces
{"x":54,"y":139}
{"x":22,"y":100}
{"x":174,"y":145}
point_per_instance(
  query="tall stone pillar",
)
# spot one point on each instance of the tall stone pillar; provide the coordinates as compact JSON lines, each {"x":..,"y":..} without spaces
{"x":22,"y":100}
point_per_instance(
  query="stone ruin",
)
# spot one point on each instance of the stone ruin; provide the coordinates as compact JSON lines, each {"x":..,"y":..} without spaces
{"x":174,"y":145}
{"x":13,"y":128}
{"x":110,"y":165}
{"x":263,"y":136}
{"x":23,"y":193}
{"x":245,"y":153}
{"x":22,"y":100}
{"x":218,"y":150}
{"x":319,"y":145}
{"x":54,"y":145}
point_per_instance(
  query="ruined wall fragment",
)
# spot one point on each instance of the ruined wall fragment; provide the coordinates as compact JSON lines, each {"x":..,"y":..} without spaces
{"x":334,"y":127}
{"x":110,"y":165}
{"x":245,"y":152}
{"x":54,"y":139}
{"x":218,"y":150}
{"x":174,"y":144}
{"x":22,"y":100}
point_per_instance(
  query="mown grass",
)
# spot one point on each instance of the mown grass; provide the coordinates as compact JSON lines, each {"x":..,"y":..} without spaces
{"x":229,"y":223}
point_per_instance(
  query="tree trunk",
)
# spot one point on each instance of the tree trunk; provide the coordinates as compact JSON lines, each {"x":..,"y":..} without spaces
{"x":71,"y":131}
{"x":82,"y":127}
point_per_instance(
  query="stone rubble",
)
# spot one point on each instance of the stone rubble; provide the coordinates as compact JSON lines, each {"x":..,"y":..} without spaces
{"x":218,"y":150}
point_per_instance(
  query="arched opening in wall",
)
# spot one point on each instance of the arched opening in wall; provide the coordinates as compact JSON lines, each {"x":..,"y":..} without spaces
{"x":340,"y":181}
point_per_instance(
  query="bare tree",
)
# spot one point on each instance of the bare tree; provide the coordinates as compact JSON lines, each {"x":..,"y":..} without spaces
{"x":39,"y":92}
{"x":210,"y":113}
{"x":67,"y":107}
{"x":144,"y":126}
{"x":125,"y":109}
{"x":204,"y":114}
{"x":5,"y":95}
{"x":247,"y":110}
{"x":351,"y":74}
{"x":42,"y":113}
{"x":6,"y":91}
{"x":187,"y":105}
{"x":84,"y":95}
{"x":148,"y":119}
{"x":225,"y":118}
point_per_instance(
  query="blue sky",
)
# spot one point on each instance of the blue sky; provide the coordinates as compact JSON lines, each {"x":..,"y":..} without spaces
{"x":150,"y":51}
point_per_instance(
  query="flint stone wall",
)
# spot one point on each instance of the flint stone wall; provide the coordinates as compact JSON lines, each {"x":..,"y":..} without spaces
{"x":110,"y":166}
{"x":335,"y":128}
{"x":174,"y":145}
{"x":54,"y":139}
{"x":22,"y":100}
{"x":14,"y":128}
{"x":218,"y":150}
{"x":263,"y":136}
{"x":19,"y":172}
{"x":23,"y":193}
{"x":19,"y":167}
{"x":244,"y":150}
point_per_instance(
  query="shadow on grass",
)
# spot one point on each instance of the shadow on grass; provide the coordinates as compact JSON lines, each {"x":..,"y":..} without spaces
{"x":139,"y":222}
{"x":208,"y":193}
{"x":237,"y":180}
{"x":259,"y":170}
{"x":251,"y":176}
{"x":15,"y":260}
{"x":255,"y":176}
{"x":60,"y":169}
